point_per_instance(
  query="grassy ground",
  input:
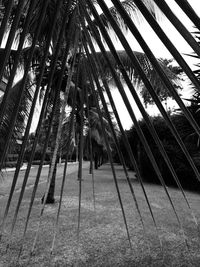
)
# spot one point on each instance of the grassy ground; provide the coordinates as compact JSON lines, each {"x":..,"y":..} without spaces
{"x":102,"y":238}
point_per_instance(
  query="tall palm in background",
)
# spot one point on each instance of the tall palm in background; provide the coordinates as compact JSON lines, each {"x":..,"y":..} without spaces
{"x":44,"y":40}
{"x":62,"y":36}
{"x":94,"y":132}
{"x":22,"y":116}
{"x":186,"y":130}
{"x":173,"y":73}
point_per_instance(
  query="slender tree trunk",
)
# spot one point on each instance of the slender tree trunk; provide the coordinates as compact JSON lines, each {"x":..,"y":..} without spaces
{"x":91,"y":164}
{"x":77,"y":154}
{"x":53,"y":144}
{"x":77,"y":147}
{"x":50,"y":197}
{"x":52,"y":169}
{"x":96,"y":160}
{"x":139,"y":157}
{"x":99,"y":161}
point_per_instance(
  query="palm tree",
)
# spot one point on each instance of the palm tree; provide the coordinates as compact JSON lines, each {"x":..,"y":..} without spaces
{"x":94,"y":132}
{"x":173,"y":73}
{"x":21,"y":118}
{"x":43,"y":37}
{"x":185,"y":128}
{"x":65,"y":32}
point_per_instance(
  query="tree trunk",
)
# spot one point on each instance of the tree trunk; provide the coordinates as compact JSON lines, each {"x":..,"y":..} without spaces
{"x":96,"y":160}
{"x":77,"y":147}
{"x":50,"y":197}
{"x":139,"y":157}
{"x":91,"y":165}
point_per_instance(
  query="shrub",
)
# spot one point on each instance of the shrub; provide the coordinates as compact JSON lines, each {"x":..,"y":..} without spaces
{"x":181,"y":166}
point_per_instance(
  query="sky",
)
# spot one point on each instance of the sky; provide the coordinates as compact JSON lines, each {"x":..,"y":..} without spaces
{"x":160,"y":51}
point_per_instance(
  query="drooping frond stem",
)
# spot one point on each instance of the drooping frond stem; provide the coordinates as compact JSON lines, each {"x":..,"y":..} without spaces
{"x":64,"y":36}
{"x":4,"y":22}
{"x":169,"y":45}
{"x":148,"y":85}
{"x":159,"y":105}
{"x":71,"y":125}
{"x":18,"y":102}
{"x":11,"y":36}
{"x":80,"y":158}
{"x":88,"y":40}
{"x":63,"y":68}
{"x":189,"y":11}
{"x":178,"y":25}
{"x":25,"y":139}
{"x":58,"y":136}
{"x":126,"y":101}
{"x":39,"y":124}
{"x":91,"y":169}
{"x":140,"y":133}
{"x":17,"y":58}
{"x":108,"y":151}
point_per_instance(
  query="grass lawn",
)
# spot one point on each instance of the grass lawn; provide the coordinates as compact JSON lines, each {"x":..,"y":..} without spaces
{"x":103,"y":238}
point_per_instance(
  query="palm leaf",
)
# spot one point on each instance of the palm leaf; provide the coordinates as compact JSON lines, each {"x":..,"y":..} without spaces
{"x":140,"y":135}
{"x":58,"y":136}
{"x":179,"y":26}
{"x":59,"y":85}
{"x":153,"y":94}
{"x":135,"y":122}
{"x":107,"y":113}
{"x":57,"y":40}
{"x":68,"y":142}
{"x":133,"y":12}
{"x":150,"y":128}
{"x":108,"y":150}
{"x":25,"y":76}
{"x":22,"y":115}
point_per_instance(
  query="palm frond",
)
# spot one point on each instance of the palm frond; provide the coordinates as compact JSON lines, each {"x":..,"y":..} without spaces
{"x":132,"y":11}
{"x":24,"y":107}
{"x":62,"y":59}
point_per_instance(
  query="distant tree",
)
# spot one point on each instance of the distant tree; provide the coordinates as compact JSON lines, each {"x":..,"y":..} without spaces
{"x":194,"y":107}
{"x":195,"y":99}
{"x":174,"y":75}
{"x":94,"y":131}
